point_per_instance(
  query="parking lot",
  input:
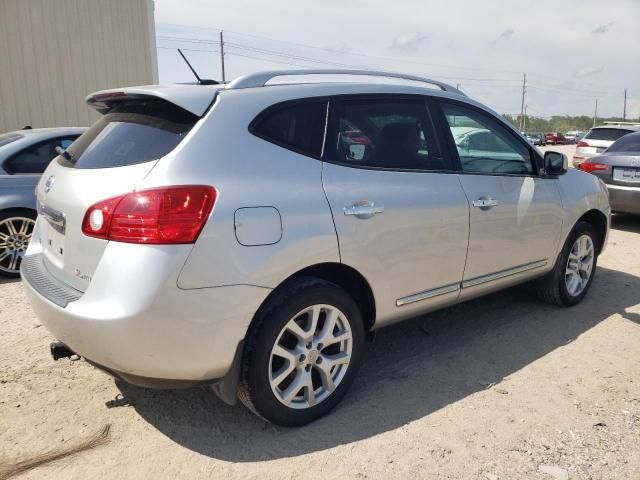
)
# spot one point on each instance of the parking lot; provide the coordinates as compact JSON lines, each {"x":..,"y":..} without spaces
{"x":501,"y":387}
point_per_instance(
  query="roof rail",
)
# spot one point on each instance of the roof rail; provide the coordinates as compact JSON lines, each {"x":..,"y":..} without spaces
{"x":259,"y":79}
{"x":613,"y":122}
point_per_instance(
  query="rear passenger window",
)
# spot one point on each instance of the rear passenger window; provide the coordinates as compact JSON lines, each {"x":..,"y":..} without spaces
{"x":299,"y":127}
{"x":36,"y":158}
{"x":32,"y":160}
{"x":386,"y":133}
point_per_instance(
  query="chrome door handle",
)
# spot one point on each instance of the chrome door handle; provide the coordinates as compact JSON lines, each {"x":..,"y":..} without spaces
{"x":485,"y":203}
{"x":366,"y":210}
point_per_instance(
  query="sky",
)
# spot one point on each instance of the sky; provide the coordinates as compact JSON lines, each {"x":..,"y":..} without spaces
{"x":572,"y":51}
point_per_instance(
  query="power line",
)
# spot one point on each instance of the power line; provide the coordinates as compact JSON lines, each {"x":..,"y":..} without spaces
{"x":357,"y":54}
{"x":291,"y":56}
{"x":189,"y":49}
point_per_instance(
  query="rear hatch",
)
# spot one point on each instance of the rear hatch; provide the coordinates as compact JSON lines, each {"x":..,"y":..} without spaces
{"x":599,"y":139}
{"x":109,"y":159}
{"x":620,"y":165}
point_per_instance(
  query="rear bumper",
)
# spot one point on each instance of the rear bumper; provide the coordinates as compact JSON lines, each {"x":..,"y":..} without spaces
{"x":135,"y":323}
{"x":624,"y":199}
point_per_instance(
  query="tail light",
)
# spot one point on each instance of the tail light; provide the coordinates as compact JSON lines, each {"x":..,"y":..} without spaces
{"x":593,"y":167}
{"x":582,"y":143}
{"x":166,"y":215}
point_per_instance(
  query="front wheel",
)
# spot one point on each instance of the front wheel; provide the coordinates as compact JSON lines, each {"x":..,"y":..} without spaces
{"x":567,"y":284}
{"x":302,"y":354}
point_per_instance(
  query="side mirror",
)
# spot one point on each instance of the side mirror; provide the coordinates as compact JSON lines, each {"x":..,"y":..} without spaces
{"x":555,"y":163}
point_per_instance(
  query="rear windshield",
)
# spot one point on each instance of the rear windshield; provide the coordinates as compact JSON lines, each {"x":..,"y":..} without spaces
{"x":611,"y":134}
{"x":8,"y":138}
{"x":628,"y":143}
{"x":132,"y":132}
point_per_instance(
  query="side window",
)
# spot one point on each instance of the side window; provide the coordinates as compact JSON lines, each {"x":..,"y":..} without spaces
{"x":36,"y":158}
{"x":32,"y":160}
{"x":65,"y":143}
{"x":485,"y":146}
{"x":297,"y":126}
{"x":386,"y":133}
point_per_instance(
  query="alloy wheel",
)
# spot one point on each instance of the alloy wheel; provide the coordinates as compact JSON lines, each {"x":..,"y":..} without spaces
{"x":15,"y":234}
{"x":311,"y":356}
{"x":579,"y":265}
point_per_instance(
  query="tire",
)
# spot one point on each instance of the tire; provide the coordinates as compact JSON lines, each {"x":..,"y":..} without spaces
{"x":556,"y":287}
{"x":16,"y":227}
{"x":264,"y":381}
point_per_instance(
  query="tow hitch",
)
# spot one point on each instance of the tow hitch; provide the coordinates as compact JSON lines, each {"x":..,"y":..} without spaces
{"x":60,"y":350}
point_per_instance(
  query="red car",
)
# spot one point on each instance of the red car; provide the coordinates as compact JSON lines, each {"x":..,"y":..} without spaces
{"x":555,"y":138}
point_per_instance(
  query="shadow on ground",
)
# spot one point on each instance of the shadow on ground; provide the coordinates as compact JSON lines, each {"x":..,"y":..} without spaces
{"x":412,"y":370}
{"x":8,"y":280}
{"x":626,"y":222}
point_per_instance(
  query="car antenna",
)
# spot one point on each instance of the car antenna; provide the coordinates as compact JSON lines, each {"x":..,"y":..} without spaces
{"x":201,"y":81}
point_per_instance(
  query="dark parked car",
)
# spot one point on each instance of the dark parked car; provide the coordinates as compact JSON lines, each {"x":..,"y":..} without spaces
{"x":24,"y":155}
{"x":619,"y":169}
{"x":555,"y":138}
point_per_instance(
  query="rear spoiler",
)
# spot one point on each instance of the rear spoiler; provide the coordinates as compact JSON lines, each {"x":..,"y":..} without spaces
{"x":195,"y":99}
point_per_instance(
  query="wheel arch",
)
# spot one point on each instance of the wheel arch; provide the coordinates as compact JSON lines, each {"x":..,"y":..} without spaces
{"x":18,"y":209}
{"x":346,"y":277}
{"x":599,"y":222}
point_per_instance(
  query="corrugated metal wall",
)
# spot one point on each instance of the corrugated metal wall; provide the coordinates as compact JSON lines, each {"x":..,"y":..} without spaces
{"x":53,"y":53}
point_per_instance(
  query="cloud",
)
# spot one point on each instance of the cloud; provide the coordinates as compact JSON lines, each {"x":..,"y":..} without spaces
{"x":588,"y":71}
{"x":409,"y":42}
{"x":506,"y":34}
{"x":604,"y":28}
{"x":340,"y":47}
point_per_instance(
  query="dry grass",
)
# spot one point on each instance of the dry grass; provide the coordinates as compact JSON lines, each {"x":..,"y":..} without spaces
{"x":10,"y":468}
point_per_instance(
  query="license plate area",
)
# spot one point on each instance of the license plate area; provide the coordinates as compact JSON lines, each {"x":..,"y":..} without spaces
{"x":626,"y":174}
{"x":53,"y":234}
{"x":54,"y":245}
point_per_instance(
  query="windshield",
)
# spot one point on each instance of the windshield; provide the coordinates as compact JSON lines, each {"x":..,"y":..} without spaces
{"x":131,"y":133}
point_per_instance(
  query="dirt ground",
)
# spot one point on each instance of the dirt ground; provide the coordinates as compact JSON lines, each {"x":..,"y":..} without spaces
{"x":503,"y":387}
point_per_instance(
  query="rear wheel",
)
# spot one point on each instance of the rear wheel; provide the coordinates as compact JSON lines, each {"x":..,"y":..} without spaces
{"x":16,"y":228}
{"x":568,"y":283}
{"x":303,"y":353}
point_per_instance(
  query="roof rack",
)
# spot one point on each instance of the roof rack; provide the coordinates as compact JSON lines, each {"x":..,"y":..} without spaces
{"x":259,"y":79}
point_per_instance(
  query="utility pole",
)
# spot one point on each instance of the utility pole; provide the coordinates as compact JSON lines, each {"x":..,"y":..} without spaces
{"x":524,"y":89}
{"x":222,"y":56}
{"x":624,"y":112}
{"x":524,"y":121}
{"x":595,"y":114}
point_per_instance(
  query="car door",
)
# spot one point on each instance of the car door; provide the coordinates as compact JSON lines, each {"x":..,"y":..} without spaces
{"x":515,"y":213}
{"x":400,"y":213}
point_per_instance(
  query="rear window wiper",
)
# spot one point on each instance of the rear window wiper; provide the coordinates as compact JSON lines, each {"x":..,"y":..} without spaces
{"x":66,"y":154}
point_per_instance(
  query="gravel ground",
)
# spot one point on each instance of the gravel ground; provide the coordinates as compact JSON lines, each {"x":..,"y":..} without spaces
{"x":498,"y":388}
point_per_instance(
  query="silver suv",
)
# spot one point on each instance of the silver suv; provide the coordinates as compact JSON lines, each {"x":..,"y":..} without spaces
{"x":252,"y":235}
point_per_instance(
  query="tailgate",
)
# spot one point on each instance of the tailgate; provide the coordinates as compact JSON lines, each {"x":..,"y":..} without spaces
{"x":108,"y":160}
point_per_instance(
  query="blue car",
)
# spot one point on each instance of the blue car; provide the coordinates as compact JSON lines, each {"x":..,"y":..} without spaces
{"x":24,"y":155}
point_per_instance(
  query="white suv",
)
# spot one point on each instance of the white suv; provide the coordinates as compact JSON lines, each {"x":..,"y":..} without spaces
{"x":599,"y":139}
